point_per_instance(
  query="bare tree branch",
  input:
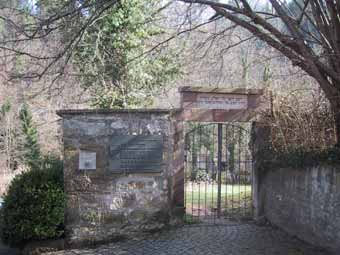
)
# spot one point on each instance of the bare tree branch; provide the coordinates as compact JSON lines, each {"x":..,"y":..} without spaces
{"x":321,"y":60}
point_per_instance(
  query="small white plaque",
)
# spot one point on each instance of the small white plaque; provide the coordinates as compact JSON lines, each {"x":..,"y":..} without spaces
{"x":87,"y":160}
{"x":220,"y":101}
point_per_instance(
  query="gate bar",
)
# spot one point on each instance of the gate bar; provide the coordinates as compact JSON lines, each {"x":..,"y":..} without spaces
{"x":219,"y":168}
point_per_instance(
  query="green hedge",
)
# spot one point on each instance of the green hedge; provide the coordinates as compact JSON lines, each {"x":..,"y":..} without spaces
{"x":34,"y":205}
{"x":299,"y":158}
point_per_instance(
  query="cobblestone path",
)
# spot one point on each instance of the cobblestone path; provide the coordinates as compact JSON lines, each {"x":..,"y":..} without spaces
{"x":4,"y":250}
{"x":232,"y":239}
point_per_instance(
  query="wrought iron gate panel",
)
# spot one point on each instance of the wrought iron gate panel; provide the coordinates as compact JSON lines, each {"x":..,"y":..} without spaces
{"x":218,"y":172}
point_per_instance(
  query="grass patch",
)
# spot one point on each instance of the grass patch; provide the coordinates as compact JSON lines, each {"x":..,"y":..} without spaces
{"x":190,"y":219}
{"x":235,"y":199}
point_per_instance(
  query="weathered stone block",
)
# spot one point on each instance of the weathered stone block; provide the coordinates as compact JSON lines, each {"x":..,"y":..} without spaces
{"x":102,"y":204}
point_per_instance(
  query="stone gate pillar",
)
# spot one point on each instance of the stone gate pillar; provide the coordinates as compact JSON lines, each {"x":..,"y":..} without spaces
{"x":177,"y":187}
{"x":260,"y":144}
{"x":118,"y":172}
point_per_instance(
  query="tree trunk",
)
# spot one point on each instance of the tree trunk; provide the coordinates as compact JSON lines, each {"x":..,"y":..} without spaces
{"x":335,"y":105}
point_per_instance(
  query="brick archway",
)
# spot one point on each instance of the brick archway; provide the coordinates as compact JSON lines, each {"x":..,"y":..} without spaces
{"x":208,"y":105}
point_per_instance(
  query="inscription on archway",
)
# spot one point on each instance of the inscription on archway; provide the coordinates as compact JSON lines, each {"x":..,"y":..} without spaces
{"x":220,"y":101}
{"x":203,"y":104}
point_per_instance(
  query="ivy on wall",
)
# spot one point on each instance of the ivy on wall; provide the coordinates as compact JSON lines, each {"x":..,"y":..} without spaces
{"x":298,"y":158}
{"x":268,"y":156}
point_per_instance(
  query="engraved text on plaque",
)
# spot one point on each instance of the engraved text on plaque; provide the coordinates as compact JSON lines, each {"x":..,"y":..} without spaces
{"x":136,"y":153}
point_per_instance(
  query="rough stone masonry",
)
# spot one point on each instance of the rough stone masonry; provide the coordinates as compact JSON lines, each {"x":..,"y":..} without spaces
{"x":114,"y":188}
{"x":304,"y":201}
{"x":124,"y":169}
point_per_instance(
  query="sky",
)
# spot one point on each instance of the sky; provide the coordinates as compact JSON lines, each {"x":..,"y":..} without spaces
{"x":31,"y":4}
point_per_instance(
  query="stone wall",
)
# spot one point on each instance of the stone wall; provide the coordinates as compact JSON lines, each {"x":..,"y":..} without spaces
{"x":305,"y":203}
{"x":103,"y":205}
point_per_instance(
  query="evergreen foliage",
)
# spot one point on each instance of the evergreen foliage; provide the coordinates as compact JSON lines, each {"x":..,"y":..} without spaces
{"x":111,"y":56}
{"x":32,"y":153}
{"x":33,"y":207}
{"x":5,"y":108}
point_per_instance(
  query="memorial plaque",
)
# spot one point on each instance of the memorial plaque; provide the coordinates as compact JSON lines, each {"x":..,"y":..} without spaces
{"x":87,"y":160}
{"x":136,"y":153}
{"x":220,"y":101}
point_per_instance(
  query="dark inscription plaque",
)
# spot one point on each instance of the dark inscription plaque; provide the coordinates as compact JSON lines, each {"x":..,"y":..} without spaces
{"x":136,"y":153}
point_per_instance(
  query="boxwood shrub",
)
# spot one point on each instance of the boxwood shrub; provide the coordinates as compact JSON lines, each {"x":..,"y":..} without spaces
{"x":33,"y":207}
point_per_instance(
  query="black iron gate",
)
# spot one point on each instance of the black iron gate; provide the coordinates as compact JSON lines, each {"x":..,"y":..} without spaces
{"x":218,"y":172}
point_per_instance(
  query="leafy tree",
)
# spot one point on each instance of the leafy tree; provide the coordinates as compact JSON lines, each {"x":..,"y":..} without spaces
{"x":111,"y":56}
{"x":32,"y":154}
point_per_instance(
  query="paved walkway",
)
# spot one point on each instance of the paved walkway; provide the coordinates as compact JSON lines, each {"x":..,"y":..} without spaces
{"x":232,"y":239}
{"x":4,"y":250}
